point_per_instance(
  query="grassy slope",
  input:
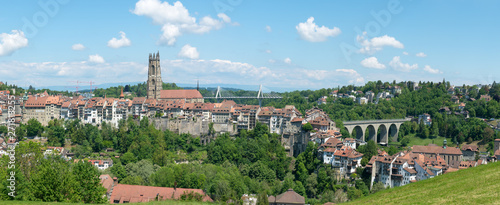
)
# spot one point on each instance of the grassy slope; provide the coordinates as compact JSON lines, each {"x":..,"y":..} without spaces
{"x":479,"y":185}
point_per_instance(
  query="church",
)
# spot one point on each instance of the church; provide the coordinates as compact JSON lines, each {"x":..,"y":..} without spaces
{"x":155,"y":85}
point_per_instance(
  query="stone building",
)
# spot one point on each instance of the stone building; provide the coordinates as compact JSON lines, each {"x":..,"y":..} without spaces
{"x":154,"y":84}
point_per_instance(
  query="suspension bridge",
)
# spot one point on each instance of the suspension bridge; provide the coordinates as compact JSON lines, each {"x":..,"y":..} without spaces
{"x":223,"y":94}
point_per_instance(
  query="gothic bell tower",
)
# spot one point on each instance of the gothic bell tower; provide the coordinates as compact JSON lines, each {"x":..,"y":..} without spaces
{"x":154,"y":76}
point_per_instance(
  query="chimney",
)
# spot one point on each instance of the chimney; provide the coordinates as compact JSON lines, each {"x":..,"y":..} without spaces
{"x":444,"y":143}
{"x":115,"y":181}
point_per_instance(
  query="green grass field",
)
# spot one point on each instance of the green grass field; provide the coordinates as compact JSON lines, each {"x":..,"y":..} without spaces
{"x":479,"y":185}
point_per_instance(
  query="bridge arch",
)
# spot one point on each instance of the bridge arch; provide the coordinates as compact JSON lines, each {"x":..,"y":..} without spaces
{"x":360,"y":134}
{"x":371,"y":133}
{"x":382,"y":134}
{"x":393,"y":132}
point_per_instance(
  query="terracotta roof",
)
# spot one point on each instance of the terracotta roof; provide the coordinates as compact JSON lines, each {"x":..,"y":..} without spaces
{"x":137,"y":193}
{"x":289,"y":197}
{"x":348,"y":152}
{"x":332,"y":142}
{"x":450,"y":170}
{"x":472,"y":148}
{"x":34,"y":101}
{"x":138,"y":100}
{"x":411,"y":171}
{"x":436,"y":150}
{"x":467,"y":164}
{"x":106,"y":181}
{"x":180,"y":94}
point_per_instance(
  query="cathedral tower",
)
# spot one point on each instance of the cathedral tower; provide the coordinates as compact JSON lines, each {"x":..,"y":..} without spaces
{"x":154,"y":77}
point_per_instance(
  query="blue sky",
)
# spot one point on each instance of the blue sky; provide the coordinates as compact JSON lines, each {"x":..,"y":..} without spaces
{"x":284,"y":44}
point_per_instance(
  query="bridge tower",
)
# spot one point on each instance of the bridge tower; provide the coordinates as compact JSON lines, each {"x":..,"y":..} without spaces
{"x":218,"y":95}
{"x":260,"y":95}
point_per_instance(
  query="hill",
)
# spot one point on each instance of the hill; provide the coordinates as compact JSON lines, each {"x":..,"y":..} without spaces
{"x":479,"y":185}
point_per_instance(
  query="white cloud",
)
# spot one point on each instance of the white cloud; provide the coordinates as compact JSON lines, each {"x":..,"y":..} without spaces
{"x":268,"y":51}
{"x":188,"y":51}
{"x":272,"y":61}
{"x":421,"y":54}
{"x":309,"y":31}
{"x":215,"y":71}
{"x":118,"y":43}
{"x":176,"y":20}
{"x":372,"y":62}
{"x":431,"y":70}
{"x":354,"y":75}
{"x":96,"y":59}
{"x":377,"y":43}
{"x":287,"y":60}
{"x":58,"y":73}
{"x":398,"y":65}
{"x":268,"y":28}
{"x":78,"y":47}
{"x":405,"y":53}
{"x":12,"y":42}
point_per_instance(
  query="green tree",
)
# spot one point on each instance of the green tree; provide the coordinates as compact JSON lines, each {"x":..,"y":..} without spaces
{"x":53,"y":181}
{"x":307,"y":127}
{"x":33,"y":127}
{"x":379,"y":186}
{"x":88,"y":185}
{"x":262,"y":199}
{"x":128,"y":157}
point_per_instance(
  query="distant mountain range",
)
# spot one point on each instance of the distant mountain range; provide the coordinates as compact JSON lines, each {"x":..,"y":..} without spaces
{"x":232,"y":87}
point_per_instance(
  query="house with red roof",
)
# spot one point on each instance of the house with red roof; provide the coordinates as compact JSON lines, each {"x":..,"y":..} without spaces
{"x":290,"y":197}
{"x":124,"y":193}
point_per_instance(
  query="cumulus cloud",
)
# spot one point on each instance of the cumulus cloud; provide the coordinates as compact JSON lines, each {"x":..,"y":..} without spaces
{"x":215,"y":71}
{"x":354,"y":75}
{"x":57,"y":73}
{"x":421,"y":54}
{"x":188,"y":51}
{"x":272,"y":61}
{"x":311,"y":32}
{"x":78,"y":47}
{"x":268,"y":28}
{"x":287,"y":60}
{"x":268,"y":51}
{"x":176,"y":20}
{"x":405,"y":53}
{"x":398,"y":65}
{"x":12,"y":42}
{"x":372,"y":62}
{"x":118,"y":43}
{"x":377,"y":43}
{"x":431,"y":70}
{"x":96,"y":59}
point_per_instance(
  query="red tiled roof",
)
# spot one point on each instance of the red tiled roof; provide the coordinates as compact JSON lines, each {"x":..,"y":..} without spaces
{"x":180,"y":94}
{"x":436,"y":150}
{"x":472,"y":148}
{"x":411,"y":171}
{"x":289,"y":197}
{"x":137,"y":193}
{"x":106,"y":181}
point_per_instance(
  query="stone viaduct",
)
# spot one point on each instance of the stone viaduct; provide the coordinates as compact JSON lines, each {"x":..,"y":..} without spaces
{"x":388,"y":129}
